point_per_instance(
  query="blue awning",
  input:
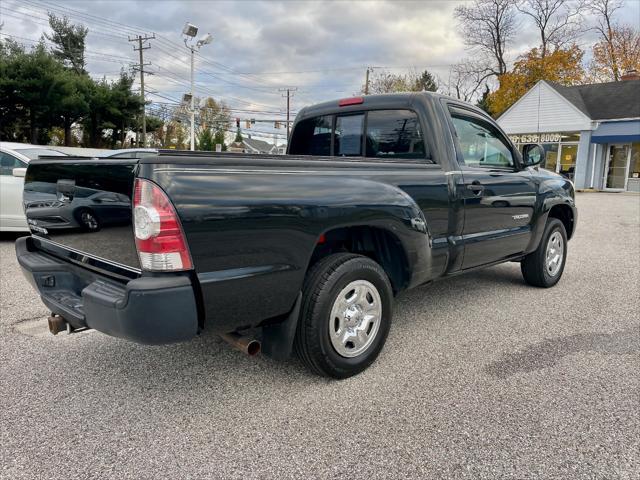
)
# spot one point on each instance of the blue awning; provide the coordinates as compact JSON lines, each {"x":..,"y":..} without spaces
{"x":626,"y":131}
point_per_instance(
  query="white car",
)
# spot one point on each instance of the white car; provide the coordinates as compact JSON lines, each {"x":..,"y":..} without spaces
{"x":14,"y":158}
{"x":129,"y":153}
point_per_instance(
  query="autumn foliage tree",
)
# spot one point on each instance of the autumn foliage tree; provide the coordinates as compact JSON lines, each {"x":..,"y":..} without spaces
{"x":617,"y":54}
{"x":563,"y":66}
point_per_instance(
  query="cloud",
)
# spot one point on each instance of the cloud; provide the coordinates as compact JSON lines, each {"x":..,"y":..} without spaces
{"x":322,"y":48}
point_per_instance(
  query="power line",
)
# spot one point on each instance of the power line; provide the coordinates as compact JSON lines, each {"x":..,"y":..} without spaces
{"x":133,"y":29}
{"x":51,"y":44}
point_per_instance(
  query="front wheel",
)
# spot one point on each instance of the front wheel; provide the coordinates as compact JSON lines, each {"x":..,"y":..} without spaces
{"x":345,"y":317}
{"x":544,"y":266}
{"x":88,"y":221}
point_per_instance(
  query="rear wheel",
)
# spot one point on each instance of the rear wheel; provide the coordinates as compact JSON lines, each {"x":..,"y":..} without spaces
{"x":345,"y":316}
{"x":544,"y":266}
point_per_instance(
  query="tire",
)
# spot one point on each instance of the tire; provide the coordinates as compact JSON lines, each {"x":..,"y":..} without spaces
{"x":356,"y":292}
{"x":536,"y":269}
{"x":88,"y":220}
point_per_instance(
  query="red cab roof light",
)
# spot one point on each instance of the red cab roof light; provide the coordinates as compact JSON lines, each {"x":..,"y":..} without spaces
{"x":350,"y":101}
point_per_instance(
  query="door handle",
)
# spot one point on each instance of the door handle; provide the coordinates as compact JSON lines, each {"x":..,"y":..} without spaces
{"x":475,"y":187}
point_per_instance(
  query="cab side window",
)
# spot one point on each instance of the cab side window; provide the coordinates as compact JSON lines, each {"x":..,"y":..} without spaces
{"x":8,"y":163}
{"x":481,"y":144}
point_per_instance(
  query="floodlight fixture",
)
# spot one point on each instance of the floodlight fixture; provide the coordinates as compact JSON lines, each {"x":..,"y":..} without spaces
{"x":205,"y":40}
{"x":190,"y":30}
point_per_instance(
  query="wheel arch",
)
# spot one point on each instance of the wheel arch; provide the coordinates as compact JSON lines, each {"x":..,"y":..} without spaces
{"x":565,"y":214}
{"x":378,"y":243}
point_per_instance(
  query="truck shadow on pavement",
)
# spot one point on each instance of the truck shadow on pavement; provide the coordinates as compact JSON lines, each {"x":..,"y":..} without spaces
{"x":208,"y":360}
{"x":208,"y":355}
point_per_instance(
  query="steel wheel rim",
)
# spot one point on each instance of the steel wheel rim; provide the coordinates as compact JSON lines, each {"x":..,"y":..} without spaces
{"x":355,"y":318}
{"x":554,"y":253}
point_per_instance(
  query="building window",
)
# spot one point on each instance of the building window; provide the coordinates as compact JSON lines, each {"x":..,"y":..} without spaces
{"x":568,"y":157}
{"x":634,"y":166}
{"x":561,"y":149}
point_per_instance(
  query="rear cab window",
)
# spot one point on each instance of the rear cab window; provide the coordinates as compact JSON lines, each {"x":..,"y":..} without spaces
{"x":394,"y":134}
{"x":384,"y":134}
{"x":348,"y":135}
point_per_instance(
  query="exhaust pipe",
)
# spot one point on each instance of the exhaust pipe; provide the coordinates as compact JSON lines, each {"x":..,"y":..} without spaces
{"x":57,"y":324}
{"x":245,"y":344}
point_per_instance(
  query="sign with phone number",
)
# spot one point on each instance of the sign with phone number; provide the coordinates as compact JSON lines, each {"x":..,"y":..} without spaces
{"x":536,"y":138}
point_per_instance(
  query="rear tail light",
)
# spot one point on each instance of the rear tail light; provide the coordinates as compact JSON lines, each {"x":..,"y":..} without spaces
{"x":159,"y":237}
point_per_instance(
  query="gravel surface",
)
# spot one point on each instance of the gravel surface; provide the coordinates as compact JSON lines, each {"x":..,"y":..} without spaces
{"x":482,"y":377}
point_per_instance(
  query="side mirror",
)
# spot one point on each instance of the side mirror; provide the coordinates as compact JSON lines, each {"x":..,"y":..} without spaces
{"x":533,"y":154}
{"x":19,"y":172}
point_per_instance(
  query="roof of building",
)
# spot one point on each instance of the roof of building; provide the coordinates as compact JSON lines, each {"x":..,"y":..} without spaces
{"x":260,"y":145}
{"x":604,"y":101}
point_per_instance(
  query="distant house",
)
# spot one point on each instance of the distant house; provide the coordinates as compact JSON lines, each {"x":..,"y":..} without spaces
{"x":236,"y":147}
{"x":253,"y":145}
{"x":591,"y":133}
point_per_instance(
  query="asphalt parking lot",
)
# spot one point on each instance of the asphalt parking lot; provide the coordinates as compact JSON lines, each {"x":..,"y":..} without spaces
{"x":482,"y":377}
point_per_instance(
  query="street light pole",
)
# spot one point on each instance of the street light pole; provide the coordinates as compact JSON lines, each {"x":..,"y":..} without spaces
{"x":193,"y":106}
{"x":190,"y":31}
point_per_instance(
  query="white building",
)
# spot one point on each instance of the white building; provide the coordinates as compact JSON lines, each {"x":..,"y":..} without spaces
{"x":591,"y":133}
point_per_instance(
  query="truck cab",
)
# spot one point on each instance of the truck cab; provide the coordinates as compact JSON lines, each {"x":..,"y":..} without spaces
{"x":490,"y":193}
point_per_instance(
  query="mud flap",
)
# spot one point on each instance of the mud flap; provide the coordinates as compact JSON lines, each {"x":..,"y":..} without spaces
{"x":277,"y":340}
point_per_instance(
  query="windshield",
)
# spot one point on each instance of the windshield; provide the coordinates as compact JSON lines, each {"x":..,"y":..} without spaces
{"x":33,"y":153}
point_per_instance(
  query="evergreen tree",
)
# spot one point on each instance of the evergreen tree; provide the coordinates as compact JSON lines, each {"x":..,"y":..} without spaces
{"x":31,"y":90}
{"x":69,"y":40}
{"x":483,"y":102}
{"x":205,"y":140}
{"x":426,"y":82}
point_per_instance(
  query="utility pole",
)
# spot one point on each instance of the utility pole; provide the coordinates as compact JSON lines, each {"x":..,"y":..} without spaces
{"x":366,"y":82}
{"x":140,"y":39}
{"x":288,"y":95}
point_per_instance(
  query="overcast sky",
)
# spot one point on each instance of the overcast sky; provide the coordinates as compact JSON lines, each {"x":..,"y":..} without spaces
{"x":322,"y":48}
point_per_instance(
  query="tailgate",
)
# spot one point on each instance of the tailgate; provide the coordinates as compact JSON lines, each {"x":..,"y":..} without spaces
{"x":83,"y":206}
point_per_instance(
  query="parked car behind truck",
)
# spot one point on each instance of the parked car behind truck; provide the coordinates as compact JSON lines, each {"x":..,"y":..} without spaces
{"x":378,"y":194}
{"x":14,"y":158}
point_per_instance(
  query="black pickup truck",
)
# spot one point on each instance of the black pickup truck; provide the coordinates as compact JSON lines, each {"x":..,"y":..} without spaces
{"x":306,"y":251}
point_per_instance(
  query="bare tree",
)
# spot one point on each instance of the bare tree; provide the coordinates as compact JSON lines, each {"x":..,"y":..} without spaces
{"x":384,"y":81}
{"x":603,"y":10}
{"x":558,"y":21}
{"x":465,"y":79}
{"x":489,"y":27}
